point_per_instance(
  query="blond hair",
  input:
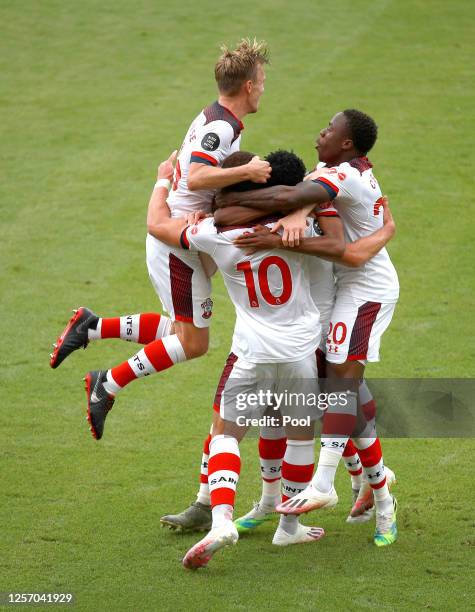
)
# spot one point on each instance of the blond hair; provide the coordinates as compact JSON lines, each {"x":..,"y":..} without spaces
{"x":235,"y":67}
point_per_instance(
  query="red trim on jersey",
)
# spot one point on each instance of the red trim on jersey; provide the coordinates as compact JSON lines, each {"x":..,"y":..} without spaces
{"x":204,"y":156}
{"x":361,"y":332}
{"x":328,"y":213}
{"x":240,"y":123}
{"x":329,"y":183}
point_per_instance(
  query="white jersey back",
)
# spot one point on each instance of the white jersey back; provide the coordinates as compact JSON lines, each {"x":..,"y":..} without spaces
{"x":213,"y":135}
{"x":357,"y":198}
{"x":277,"y":320}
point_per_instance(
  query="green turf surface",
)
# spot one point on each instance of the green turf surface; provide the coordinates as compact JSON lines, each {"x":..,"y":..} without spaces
{"x":94,"y":95}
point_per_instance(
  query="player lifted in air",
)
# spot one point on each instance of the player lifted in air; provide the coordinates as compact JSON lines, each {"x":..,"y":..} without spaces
{"x":365,"y":302}
{"x":181,"y":278}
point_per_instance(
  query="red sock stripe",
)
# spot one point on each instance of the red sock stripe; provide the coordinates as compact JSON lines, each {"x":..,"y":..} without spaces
{"x":369,"y":410}
{"x":110,"y":328}
{"x":222,"y":496}
{"x":224,"y":461}
{"x":350,"y":449}
{"x":379,"y":485}
{"x":357,"y":473}
{"x":272,"y":449}
{"x":203,"y":479}
{"x":158,"y":356}
{"x":297,"y":473}
{"x":372,"y":455}
{"x":123,"y":374}
{"x":271,"y":479}
{"x":338,"y":424}
{"x":148,"y":326}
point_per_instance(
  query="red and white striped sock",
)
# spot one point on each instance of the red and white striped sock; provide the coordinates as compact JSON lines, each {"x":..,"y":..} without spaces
{"x":338,"y":425}
{"x":297,"y":470}
{"x":367,"y":403}
{"x":155,"y":357}
{"x":353,"y":465}
{"x":142,"y":328}
{"x":203,"y":493}
{"x":224,"y":467}
{"x":272,"y":446}
{"x":369,"y":450}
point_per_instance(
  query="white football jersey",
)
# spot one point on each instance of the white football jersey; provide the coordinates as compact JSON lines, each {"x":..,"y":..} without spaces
{"x":276,"y":317}
{"x":356,"y":196}
{"x":213,"y":135}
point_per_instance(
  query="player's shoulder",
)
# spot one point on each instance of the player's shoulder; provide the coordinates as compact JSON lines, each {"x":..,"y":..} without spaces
{"x":205,"y":226}
{"x":218,"y":117}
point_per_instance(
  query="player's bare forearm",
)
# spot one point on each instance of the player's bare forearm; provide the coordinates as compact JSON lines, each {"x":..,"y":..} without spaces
{"x":158,"y":210}
{"x":202,"y":176}
{"x":168,"y":231}
{"x":280,"y":197}
{"x":361,"y":251}
{"x":236,"y":215}
{"x":328,"y":247}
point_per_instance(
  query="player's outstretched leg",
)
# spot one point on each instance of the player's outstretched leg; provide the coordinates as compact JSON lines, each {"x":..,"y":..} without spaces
{"x":197,"y":517}
{"x":297,"y":470}
{"x":272,"y":445}
{"x":85,"y":326}
{"x":224,"y":468}
{"x":74,"y":335}
{"x":155,"y":357}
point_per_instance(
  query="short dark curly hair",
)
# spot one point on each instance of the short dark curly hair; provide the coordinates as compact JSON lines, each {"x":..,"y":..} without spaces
{"x":287,"y":169}
{"x":363,"y":130}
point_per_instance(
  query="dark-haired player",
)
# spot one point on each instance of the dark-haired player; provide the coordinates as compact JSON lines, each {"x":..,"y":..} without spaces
{"x":275,"y":338}
{"x":365,"y":301}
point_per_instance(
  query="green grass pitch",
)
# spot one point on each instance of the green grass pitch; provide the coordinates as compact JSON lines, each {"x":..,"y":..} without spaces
{"x":95,"y":94}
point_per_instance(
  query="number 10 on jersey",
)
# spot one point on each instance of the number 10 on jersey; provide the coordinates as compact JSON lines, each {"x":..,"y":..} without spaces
{"x":263,"y":280}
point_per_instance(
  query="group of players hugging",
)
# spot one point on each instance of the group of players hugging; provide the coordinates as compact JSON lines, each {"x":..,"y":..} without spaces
{"x":304,"y":262}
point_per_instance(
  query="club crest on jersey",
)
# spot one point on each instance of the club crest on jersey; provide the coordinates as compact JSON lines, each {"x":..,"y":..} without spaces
{"x":207,"y":307}
{"x":210,"y":141}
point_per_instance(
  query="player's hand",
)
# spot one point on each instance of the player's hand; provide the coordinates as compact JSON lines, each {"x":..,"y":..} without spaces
{"x":294,"y":226}
{"x":259,"y":170}
{"x":388,"y":220}
{"x":167,"y":167}
{"x":195,"y":217}
{"x":260,"y":239}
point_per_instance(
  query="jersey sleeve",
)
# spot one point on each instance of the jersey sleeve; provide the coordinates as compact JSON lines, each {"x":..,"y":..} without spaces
{"x":326,"y":209}
{"x":213,"y":143}
{"x":338,"y":181}
{"x":201,"y":237}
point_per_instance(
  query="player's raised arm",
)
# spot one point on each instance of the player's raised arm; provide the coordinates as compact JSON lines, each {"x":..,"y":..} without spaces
{"x":202,"y":176}
{"x":280,"y":197}
{"x":158,"y":210}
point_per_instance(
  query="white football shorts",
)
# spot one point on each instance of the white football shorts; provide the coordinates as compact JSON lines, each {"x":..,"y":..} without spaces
{"x":356,"y":329}
{"x":181,"y":282}
{"x":244,"y":387}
